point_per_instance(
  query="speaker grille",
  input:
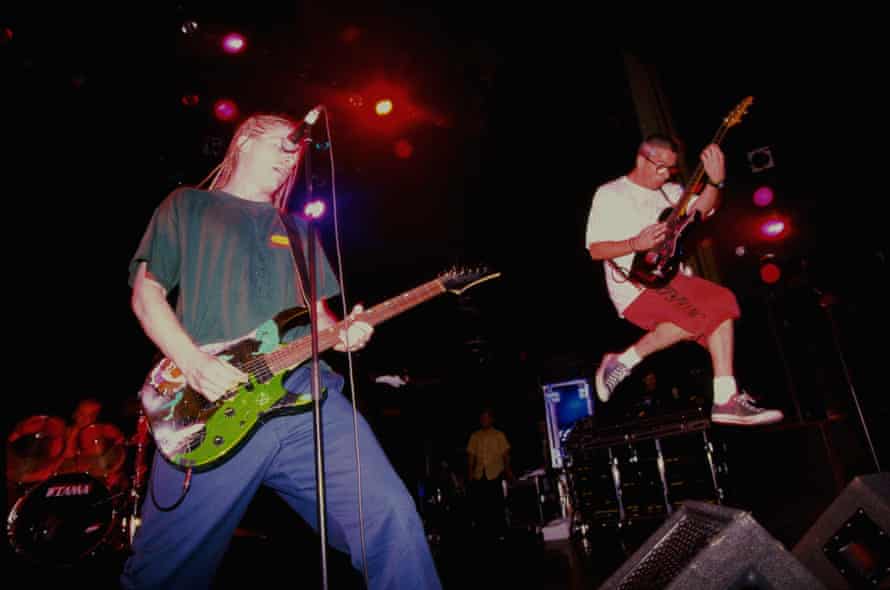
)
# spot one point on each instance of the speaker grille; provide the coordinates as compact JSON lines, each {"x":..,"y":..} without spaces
{"x":670,"y":555}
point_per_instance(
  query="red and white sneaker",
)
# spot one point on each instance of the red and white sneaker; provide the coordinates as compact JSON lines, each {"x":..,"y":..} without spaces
{"x":741,"y":411}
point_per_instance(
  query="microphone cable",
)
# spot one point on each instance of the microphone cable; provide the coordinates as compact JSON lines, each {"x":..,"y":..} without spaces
{"x":350,"y":369}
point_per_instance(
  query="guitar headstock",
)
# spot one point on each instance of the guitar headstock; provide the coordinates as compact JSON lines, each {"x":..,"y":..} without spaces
{"x":735,"y":117}
{"x":458,"y":280}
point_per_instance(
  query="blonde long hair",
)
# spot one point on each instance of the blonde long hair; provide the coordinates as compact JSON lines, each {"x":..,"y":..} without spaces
{"x":254,"y":126}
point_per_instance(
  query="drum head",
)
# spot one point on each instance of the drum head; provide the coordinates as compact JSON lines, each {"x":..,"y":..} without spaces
{"x":64,"y":519}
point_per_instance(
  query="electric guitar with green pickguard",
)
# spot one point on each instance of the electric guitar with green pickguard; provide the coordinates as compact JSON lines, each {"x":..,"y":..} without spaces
{"x":192,"y":432}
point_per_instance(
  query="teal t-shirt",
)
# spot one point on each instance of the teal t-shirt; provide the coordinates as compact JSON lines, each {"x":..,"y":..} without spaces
{"x":230,"y":259}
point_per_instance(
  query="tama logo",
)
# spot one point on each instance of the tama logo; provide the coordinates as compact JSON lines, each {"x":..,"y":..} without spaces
{"x":70,"y":490}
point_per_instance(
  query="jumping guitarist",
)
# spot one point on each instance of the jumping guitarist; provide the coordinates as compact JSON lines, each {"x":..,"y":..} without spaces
{"x":640,"y":252}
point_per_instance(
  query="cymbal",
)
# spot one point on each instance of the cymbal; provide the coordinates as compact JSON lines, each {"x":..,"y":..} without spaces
{"x":34,"y":448}
{"x":104,"y":464}
{"x":101,"y":449}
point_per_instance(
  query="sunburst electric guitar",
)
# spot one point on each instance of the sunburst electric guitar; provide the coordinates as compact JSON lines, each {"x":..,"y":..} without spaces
{"x":657,"y":266}
{"x":191,"y":432}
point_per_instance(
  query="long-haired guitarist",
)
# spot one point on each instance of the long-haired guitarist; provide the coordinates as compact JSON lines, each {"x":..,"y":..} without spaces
{"x":624,"y":222}
{"x":228,"y":253}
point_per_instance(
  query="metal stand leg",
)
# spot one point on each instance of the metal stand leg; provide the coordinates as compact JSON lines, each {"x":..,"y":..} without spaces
{"x":616,"y":480}
{"x":540,"y":498}
{"x":663,"y":475}
{"x":826,"y":304}
{"x":709,"y":453}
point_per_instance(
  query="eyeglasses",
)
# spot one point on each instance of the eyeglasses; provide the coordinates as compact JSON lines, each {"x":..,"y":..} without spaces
{"x":659,"y":166}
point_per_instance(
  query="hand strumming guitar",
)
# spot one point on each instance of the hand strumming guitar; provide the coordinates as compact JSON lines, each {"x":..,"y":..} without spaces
{"x":650,"y":236}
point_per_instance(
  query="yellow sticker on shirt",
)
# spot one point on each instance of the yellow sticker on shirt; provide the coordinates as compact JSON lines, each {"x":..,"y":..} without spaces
{"x":279,"y":240}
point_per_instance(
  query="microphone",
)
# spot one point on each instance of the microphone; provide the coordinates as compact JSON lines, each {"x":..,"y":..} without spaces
{"x":291,"y":143}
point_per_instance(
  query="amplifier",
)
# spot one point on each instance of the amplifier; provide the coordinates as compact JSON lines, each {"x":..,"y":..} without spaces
{"x":643,"y":470}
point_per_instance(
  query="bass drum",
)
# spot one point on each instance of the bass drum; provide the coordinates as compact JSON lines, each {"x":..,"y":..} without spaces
{"x":64,"y":519}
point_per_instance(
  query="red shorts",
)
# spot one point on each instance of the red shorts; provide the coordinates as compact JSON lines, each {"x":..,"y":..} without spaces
{"x":692,"y":303}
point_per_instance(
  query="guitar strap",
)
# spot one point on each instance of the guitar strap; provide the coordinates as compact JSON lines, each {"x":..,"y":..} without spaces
{"x":664,"y":194}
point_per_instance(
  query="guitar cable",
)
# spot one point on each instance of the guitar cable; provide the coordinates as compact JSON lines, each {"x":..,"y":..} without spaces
{"x":350,"y":370}
{"x":185,"y":488}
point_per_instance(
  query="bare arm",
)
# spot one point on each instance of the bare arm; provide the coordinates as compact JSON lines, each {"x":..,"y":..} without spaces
{"x":706,"y":202}
{"x":649,"y":237}
{"x":204,"y":372}
{"x":715,"y":167}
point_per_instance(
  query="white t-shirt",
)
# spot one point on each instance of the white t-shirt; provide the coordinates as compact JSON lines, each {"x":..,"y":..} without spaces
{"x":620,"y":210}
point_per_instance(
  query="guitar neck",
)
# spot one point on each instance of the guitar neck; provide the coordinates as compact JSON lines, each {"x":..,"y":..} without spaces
{"x":680,"y":209}
{"x":300,"y":350}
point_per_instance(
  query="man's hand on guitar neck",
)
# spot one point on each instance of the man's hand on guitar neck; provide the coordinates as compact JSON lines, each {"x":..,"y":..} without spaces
{"x":357,"y":332}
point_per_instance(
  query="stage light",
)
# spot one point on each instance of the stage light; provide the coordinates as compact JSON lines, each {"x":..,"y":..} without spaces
{"x":190,"y":100}
{"x":770,"y":271}
{"x":188,"y":27}
{"x":234,"y":43}
{"x":403,"y":149}
{"x":761,"y":159}
{"x":773,"y":228}
{"x":383,"y":107}
{"x":314,"y":209}
{"x":763,"y":196}
{"x":225,"y":109}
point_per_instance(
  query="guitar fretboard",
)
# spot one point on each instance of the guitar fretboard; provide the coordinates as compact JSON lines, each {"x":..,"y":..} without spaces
{"x":695,"y":180}
{"x":300,"y":350}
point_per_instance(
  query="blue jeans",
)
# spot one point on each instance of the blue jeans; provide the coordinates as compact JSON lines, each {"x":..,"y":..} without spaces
{"x":182,"y":548}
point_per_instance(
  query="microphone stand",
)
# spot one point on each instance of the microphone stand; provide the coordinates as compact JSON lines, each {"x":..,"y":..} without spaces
{"x":316,"y":377}
{"x":826,"y":301}
{"x":312,"y":236}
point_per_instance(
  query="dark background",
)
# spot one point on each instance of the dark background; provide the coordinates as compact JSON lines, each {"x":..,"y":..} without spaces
{"x":517,"y":115}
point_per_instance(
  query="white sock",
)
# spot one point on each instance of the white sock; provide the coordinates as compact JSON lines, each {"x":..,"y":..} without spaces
{"x":629,"y":358}
{"x":724,"y":388}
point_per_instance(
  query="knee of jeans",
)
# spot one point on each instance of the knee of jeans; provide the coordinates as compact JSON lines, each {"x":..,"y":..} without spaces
{"x":397,"y":507}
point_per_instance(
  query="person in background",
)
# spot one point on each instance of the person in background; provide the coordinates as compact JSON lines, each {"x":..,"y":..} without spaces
{"x":488,"y":466}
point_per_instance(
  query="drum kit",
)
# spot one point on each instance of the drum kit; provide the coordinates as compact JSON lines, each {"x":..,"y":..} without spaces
{"x":74,"y":492}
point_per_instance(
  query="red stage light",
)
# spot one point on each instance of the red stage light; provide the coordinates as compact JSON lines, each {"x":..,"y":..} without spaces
{"x":234,"y":43}
{"x":383,"y":107}
{"x":403,"y":148}
{"x":763,"y":196}
{"x":190,"y":100}
{"x":770,"y":273}
{"x":225,"y":109}
{"x":773,"y":227}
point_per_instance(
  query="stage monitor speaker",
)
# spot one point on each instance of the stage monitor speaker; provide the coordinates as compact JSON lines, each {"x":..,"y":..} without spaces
{"x":710,"y":547}
{"x":849,"y":544}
